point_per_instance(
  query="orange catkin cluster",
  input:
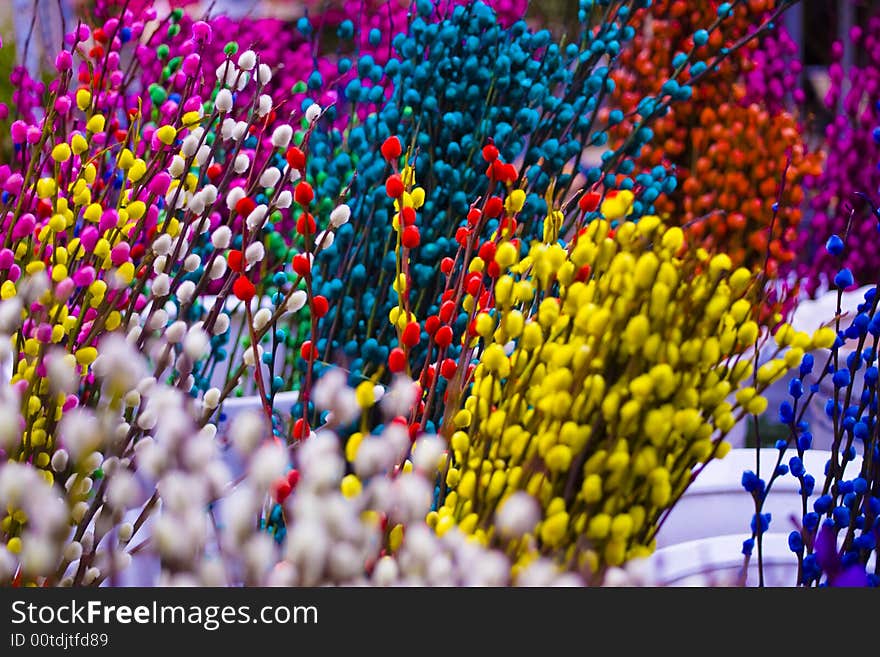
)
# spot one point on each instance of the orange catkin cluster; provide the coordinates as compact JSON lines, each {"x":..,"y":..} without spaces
{"x":729,"y":154}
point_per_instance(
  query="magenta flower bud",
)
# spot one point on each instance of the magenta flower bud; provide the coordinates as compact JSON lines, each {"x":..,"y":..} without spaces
{"x":159,"y":184}
{"x":83,"y":33}
{"x":116,"y":78}
{"x":192,"y":104}
{"x":41,"y":366}
{"x":14,"y":273}
{"x":63,"y":62}
{"x":21,"y":386}
{"x":7,"y":258}
{"x":44,"y":333}
{"x":189,"y":46}
{"x":144,"y":54}
{"x":13,"y":184}
{"x":109,"y":219}
{"x":70,"y":403}
{"x":85,"y":276}
{"x":141,"y":302}
{"x":99,"y":139}
{"x":18,"y":129}
{"x":119,"y":253}
{"x":90,"y":315}
{"x":89,"y":238}
{"x":24,"y":226}
{"x":4,"y":111}
{"x":190,"y":64}
{"x":65,"y":288}
{"x":113,"y":61}
{"x":201,"y":32}
{"x":110,"y":25}
{"x":33,"y":135}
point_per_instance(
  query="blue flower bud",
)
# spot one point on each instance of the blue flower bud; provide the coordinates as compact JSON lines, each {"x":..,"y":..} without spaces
{"x":834,"y":245}
{"x":795,"y":542}
{"x":843,"y":279}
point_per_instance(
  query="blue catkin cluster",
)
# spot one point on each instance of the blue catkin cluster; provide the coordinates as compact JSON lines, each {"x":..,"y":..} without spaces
{"x":847,"y":502}
{"x":455,"y":81}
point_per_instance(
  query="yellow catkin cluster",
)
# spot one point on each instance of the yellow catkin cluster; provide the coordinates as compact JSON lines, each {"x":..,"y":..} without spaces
{"x":611,"y":370}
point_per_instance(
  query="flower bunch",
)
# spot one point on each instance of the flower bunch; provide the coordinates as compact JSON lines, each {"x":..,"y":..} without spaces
{"x":226,"y":517}
{"x":839,"y":530}
{"x":732,"y":142}
{"x":851,"y":141}
{"x":458,"y":83}
{"x":607,"y":370}
{"x":176,"y":231}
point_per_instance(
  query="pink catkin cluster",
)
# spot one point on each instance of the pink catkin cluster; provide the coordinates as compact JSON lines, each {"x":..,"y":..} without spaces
{"x":850,"y":167}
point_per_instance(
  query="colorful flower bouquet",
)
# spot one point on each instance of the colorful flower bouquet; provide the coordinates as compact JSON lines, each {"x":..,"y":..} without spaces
{"x":428,"y":259}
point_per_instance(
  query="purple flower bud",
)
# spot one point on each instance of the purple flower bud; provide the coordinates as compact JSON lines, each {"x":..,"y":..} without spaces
{"x":85,"y":276}
{"x":18,"y":131}
{"x":108,"y":220}
{"x":190,"y":64}
{"x":202,"y":32}
{"x":119,"y":253}
{"x":89,"y":238}
{"x":63,"y":62}
{"x":13,"y":184}
{"x":24,"y":226}
{"x":159,"y":184}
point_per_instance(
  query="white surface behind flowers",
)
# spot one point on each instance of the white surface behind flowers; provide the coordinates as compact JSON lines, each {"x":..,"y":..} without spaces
{"x":328,"y":539}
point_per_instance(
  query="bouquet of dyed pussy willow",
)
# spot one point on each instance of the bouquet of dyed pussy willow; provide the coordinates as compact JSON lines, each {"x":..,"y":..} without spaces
{"x":835,"y":540}
{"x":502,"y":376}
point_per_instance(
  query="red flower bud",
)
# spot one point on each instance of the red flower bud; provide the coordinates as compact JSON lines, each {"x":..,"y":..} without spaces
{"x":391,"y":149}
{"x":243,"y":289}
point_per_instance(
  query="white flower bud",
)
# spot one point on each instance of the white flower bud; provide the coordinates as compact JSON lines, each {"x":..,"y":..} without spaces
{"x":340,"y":215}
{"x":196,"y":205}
{"x":324,"y":240}
{"x":247,"y":60}
{"x":212,"y":398}
{"x":264,"y":74}
{"x":281,"y":136}
{"x":125,"y":532}
{"x":261,"y":318}
{"x":221,"y":237}
{"x":204,"y":153}
{"x":59,"y":460}
{"x":246,"y":431}
{"x":264,"y":105}
{"x":157,"y":320}
{"x":239,"y":131}
{"x":284,"y":200}
{"x":241,"y":164}
{"x":210,"y":193}
{"x":175,"y":332}
{"x":175,"y":169}
{"x":197,"y":343}
{"x":218,"y":268}
{"x":223,"y":102}
{"x":517,"y":515}
{"x":296,"y":301}
{"x":190,"y":145}
{"x":257,"y":217}
{"x":162,"y":244}
{"x":254,"y":254}
{"x":313,"y":111}
{"x":270,"y":177}
{"x":248,"y":356}
{"x":192,"y":262}
{"x":73,"y":551}
{"x":221,"y":325}
{"x":161,"y":286}
{"x":185,"y":291}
